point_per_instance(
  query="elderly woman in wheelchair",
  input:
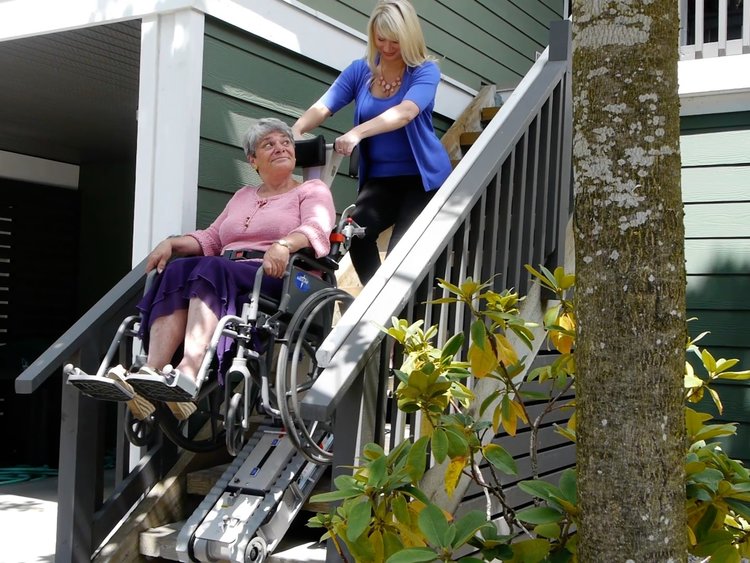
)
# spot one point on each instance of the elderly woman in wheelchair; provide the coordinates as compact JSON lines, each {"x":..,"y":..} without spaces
{"x":220,"y":279}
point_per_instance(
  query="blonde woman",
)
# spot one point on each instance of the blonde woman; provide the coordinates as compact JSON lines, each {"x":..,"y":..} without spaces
{"x":402,"y":162}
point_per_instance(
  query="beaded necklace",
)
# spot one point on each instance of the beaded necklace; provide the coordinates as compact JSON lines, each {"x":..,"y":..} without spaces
{"x":388,"y":88}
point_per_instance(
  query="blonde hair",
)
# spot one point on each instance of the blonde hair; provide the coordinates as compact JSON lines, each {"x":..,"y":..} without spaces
{"x":396,"y":20}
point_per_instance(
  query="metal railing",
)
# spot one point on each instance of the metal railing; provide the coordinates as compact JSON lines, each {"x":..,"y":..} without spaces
{"x":505,"y":205}
{"x":85,"y":516}
{"x":714,"y":28}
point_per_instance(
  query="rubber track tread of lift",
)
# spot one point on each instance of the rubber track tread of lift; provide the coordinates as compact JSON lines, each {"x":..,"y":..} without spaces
{"x":188,"y":530}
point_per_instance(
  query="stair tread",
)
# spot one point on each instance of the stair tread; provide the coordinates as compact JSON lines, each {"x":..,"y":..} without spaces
{"x":310,"y":552}
{"x":161,"y":541}
{"x":489,"y":112}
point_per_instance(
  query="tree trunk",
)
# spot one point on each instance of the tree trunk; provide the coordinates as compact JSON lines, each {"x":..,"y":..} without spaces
{"x":630,"y":282}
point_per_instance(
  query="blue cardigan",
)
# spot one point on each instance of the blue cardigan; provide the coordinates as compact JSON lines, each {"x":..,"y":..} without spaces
{"x":419,"y":84}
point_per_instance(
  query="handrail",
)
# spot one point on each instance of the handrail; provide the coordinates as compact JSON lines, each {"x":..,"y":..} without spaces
{"x":103,"y":312}
{"x":355,"y":338}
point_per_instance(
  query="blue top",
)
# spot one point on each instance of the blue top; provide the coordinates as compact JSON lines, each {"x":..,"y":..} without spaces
{"x":419,"y":85}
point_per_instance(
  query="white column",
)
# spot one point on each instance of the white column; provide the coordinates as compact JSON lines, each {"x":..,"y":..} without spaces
{"x":169,"y":104}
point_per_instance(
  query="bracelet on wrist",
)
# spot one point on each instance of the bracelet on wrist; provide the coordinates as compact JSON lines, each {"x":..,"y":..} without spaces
{"x":284,"y":243}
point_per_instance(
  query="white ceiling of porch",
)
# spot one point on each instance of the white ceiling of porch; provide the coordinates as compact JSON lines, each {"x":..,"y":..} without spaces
{"x":71,"y":96}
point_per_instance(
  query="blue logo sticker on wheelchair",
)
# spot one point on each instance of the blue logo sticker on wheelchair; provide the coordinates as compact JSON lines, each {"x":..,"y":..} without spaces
{"x":301,"y":281}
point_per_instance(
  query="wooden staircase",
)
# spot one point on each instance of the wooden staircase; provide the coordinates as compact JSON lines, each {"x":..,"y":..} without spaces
{"x":150,"y":533}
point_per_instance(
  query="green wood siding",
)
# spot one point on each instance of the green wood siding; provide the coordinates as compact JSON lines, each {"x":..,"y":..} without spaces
{"x":476,"y":41}
{"x":716,"y":191}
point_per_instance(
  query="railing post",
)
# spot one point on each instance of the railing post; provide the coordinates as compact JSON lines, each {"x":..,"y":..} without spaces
{"x":723,"y":24}
{"x":699,"y":22}
{"x":561,"y":50}
{"x":79,"y":468}
{"x":560,"y":40}
{"x":746,"y":27}
{"x":345,"y":431}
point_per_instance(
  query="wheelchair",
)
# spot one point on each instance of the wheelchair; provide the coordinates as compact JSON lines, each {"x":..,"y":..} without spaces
{"x":285,"y":330}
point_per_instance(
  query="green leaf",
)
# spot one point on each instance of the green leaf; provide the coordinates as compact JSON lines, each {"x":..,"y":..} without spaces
{"x":453,"y":345}
{"x":336,"y":495}
{"x":740,"y":507}
{"x":478,"y":334}
{"x":539,"y":515}
{"x":458,"y":445}
{"x":359,"y":520}
{"x":531,"y":551}
{"x":500,"y":458}
{"x":726,"y":554}
{"x":400,"y":509}
{"x":376,"y":472}
{"x":540,"y":489}
{"x":488,"y":401}
{"x":413,"y":555}
{"x":467,"y":526}
{"x":569,"y":485}
{"x":416,"y":461}
{"x":439,"y":445}
{"x":551,"y":531}
{"x":434,"y":526}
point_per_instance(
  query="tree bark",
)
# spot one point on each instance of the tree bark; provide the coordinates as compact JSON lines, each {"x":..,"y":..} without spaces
{"x":630,"y":282}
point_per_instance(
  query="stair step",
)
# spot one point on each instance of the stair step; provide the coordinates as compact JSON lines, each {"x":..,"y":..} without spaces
{"x":467,"y":139}
{"x":310,"y":552}
{"x":487,"y":114}
{"x":161,"y":542}
{"x":201,"y":482}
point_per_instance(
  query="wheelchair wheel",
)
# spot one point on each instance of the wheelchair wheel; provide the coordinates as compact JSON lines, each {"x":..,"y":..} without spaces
{"x":139,"y":432}
{"x":234,"y":433}
{"x":297,"y":367}
{"x":191,"y":434}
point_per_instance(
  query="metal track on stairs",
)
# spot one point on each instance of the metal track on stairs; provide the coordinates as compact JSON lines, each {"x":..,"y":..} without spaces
{"x":252,"y":505}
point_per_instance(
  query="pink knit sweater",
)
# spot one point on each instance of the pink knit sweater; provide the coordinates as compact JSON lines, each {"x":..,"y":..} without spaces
{"x":249,"y":221}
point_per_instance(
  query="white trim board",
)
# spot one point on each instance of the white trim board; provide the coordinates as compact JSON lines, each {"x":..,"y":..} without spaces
{"x":287,"y":23}
{"x":15,"y":166}
{"x":714,"y":85}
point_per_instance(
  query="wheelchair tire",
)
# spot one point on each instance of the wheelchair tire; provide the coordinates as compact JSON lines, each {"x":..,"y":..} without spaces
{"x":212,"y":395}
{"x":235,"y":438}
{"x":303,"y":336}
{"x":140,"y":433}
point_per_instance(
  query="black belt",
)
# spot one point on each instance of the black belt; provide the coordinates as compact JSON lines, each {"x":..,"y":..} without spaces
{"x":242,"y":254}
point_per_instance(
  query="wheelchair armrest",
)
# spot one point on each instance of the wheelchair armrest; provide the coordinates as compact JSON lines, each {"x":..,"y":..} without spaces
{"x":309,"y":262}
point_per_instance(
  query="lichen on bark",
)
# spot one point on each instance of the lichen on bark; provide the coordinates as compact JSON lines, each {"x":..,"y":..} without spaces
{"x":630,"y":281}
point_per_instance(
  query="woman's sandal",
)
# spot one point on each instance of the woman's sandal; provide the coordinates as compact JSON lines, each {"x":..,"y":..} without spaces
{"x":181,"y":410}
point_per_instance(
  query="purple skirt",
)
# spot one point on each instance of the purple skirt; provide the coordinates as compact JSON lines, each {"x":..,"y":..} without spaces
{"x":224,"y":285}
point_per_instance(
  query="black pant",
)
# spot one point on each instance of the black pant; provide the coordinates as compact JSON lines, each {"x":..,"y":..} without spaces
{"x":383,"y":202}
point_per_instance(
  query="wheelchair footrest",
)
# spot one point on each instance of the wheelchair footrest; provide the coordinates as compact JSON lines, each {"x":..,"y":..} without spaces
{"x":100,"y":387}
{"x":175,"y":386}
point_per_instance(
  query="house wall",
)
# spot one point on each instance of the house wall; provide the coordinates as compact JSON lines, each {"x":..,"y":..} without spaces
{"x":476,"y":41}
{"x":716,"y":191}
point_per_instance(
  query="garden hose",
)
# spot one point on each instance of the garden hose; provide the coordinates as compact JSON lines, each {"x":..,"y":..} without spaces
{"x":22,"y":473}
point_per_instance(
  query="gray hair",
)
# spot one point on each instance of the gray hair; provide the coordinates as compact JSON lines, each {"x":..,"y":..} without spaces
{"x":260,"y":129}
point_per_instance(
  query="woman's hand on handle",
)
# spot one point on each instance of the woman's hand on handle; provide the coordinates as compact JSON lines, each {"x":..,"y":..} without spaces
{"x":183,"y":245}
{"x":346,"y":143}
{"x":275,"y":260}
{"x":159,"y":256}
